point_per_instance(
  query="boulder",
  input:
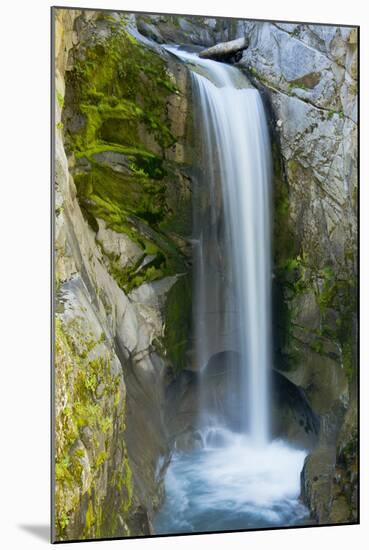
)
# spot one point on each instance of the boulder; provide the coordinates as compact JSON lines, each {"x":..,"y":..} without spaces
{"x":226,"y":51}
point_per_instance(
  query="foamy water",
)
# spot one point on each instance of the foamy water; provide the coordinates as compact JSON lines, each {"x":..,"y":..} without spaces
{"x":233,"y":486}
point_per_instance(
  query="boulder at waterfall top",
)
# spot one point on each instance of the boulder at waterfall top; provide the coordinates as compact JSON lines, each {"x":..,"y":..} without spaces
{"x":130,"y":193}
{"x":226,"y":51}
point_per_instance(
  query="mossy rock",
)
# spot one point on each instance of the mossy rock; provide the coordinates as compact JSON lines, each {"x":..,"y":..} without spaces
{"x":118,"y":91}
{"x":178,"y":321}
{"x":90,"y":425}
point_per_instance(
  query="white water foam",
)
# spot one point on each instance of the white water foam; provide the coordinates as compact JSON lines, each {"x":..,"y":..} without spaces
{"x":233,"y":486}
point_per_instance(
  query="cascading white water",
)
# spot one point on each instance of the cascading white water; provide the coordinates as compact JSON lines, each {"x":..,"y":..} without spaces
{"x":237,"y":133}
{"x":236,"y":167}
{"x":239,"y":478}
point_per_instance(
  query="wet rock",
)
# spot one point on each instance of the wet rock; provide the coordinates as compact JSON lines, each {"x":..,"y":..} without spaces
{"x":291,"y":414}
{"x":120,"y":246}
{"x":226,"y":50}
{"x":177,"y":29}
{"x":106,"y":340}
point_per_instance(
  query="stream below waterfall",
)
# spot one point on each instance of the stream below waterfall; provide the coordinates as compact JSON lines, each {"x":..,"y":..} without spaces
{"x":238,"y":477}
{"x":232,"y":484}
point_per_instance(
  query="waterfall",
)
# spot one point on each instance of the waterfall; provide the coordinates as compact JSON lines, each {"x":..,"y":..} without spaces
{"x":232,"y":309}
{"x":237,"y":478}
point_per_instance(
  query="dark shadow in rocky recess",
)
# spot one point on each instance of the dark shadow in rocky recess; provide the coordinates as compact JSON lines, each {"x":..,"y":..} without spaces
{"x":40,"y":531}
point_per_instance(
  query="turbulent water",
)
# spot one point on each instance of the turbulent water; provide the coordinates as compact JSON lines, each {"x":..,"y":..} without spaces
{"x":233,"y":486}
{"x":238,"y":478}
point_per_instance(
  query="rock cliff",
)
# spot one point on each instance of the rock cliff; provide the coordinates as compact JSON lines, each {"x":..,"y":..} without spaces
{"x":123,"y":191}
{"x":123,"y":217}
{"x":307,"y":75}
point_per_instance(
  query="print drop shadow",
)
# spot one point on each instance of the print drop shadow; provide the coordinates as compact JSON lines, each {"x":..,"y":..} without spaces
{"x":41,"y":532}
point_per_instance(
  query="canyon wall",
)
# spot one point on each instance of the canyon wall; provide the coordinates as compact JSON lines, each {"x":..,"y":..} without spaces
{"x":124,"y":175}
{"x":308,"y":78}
{"x":122,"y":296}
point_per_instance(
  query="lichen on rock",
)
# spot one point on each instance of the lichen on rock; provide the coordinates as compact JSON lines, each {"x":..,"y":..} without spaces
{"x":119,"y":171}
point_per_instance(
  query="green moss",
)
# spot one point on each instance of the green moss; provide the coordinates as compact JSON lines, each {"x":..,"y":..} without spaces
{"x":296,"y":85}
{"x":122,"y":80}
{"x":336,"y":291}
{"x":333,"y":293}
{"x":80,"y":377}
{"x":293,"y":271}
{"x":106,"y":424}
{"x":134,"y":275}
{"x":332,"y":112}
{"x":284,"y":250}
{"x":253,"y":72}
{"x":283,"y":233}
{"x":115,"y":196}
{"x":100,"y":459}
{"x":60,"y":99}
{"x":119,"y":90}
{"x":126,"y":483}
{"x":63,"y":521}
{"x":90,"y":518}
{"x":325,"y":296}
{"x":317,"y":346}
{"x":178,"y":316}
{"x":122,"y":481}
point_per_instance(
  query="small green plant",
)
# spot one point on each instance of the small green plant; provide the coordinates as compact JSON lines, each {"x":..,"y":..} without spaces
{"x":91,"y":382}
{"x":106,"y":423}
{"x":296,"y":85}
{"x":62,"y":468}
{"x":60,"y":99}
{"x":63,"y":521}
{"x":317,"y":346}
{"x":101,"y":458}
{"x":332,"y":112}
{"x":253,"y":72}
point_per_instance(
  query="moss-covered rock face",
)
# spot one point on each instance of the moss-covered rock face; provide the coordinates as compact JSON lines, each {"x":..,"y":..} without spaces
{"x":120,"y":132}
{"x":178,"y":323}
{"x":329,"y":478}
{"x":123,"y":218}
{"x":90,"y":425}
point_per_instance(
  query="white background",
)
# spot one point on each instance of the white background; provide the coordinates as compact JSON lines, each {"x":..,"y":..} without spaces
{"x":24,"y":272}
